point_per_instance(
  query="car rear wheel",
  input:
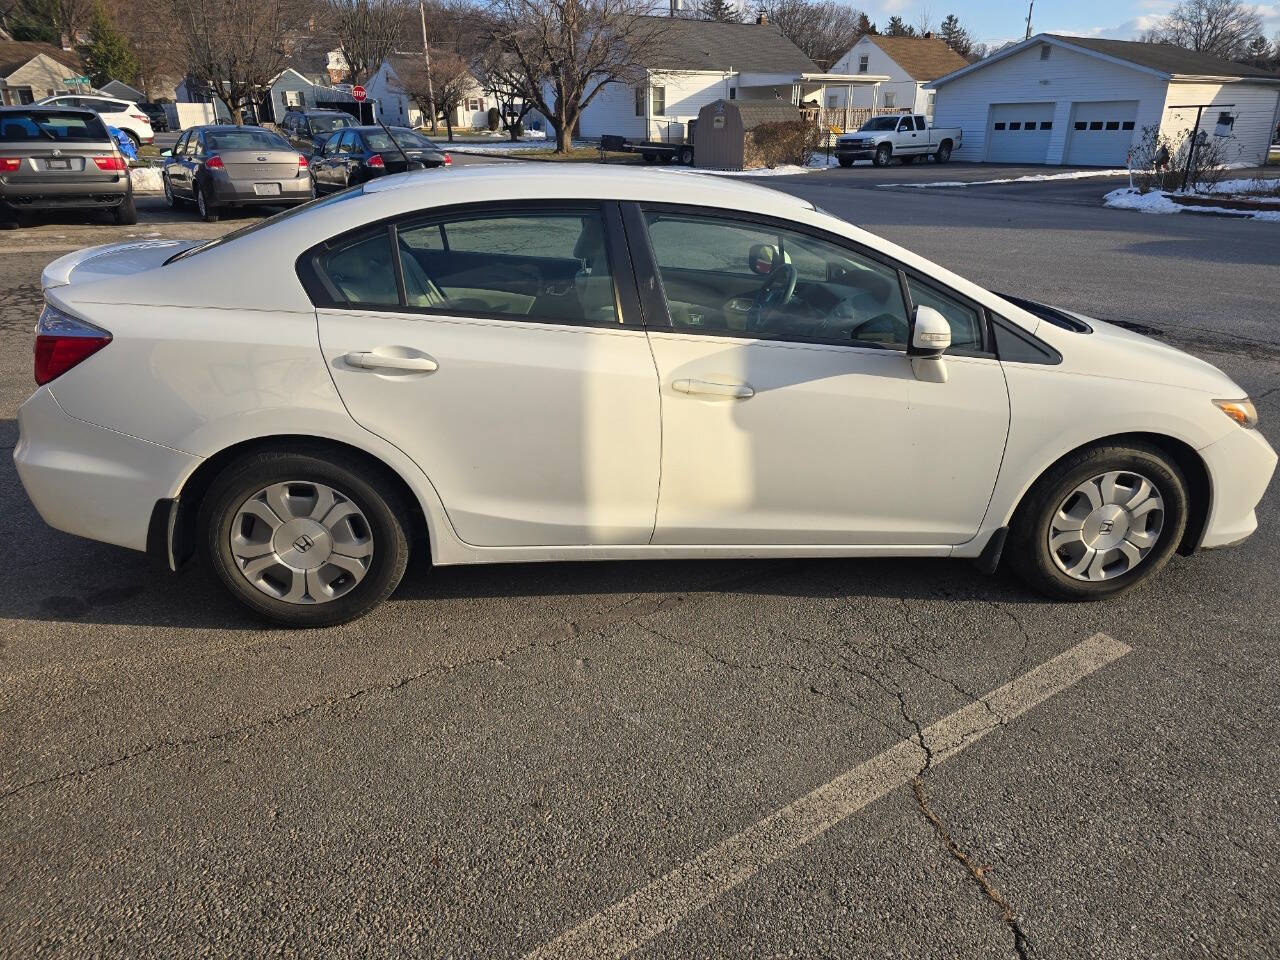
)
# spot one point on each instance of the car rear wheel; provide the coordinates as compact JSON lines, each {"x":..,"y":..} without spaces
{"x":207,"y":208}
{"x":943,"y":154}
{"x":305,"y":539}
{"x":126,"y":214}
{"x":1099,"y":522}
{"x":686,"y":156}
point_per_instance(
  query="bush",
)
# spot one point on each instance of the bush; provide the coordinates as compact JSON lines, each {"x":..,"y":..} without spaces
{"x":495,"y":118}
{"x":517,"y":129}
{"x":1159,"y":161}
{"x":783,"y":142}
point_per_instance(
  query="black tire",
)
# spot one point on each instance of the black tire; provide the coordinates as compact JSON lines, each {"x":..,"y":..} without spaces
{"x":126,"y":214}
{"x":377,"y":498}
{"x":1028,"y":554}
{"x":944,"y":152}
{"x":686,"y":156}
{"x":174,"y":201}
{"x":884,"y":155}
{"x":208,"y":209}
{"x":845,"y":161}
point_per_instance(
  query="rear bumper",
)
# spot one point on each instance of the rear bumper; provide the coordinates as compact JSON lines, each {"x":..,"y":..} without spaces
{"x":90,"y":481}
{"x":241,"y":192}
{"x":1241,"y":465}
{"x":45,"y":196}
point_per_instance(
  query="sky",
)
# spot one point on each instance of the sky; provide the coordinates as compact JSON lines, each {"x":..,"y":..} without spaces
{"x":1001,"y":20}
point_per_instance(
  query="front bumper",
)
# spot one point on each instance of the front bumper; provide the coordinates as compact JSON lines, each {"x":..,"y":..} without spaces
{"x":90,"y":481}
{"x":1241,"y":465}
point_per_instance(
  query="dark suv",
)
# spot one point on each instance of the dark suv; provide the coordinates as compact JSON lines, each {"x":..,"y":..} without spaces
{"x":307,"y":129}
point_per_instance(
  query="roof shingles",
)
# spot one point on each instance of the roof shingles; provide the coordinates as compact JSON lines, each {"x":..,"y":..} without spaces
{"x":924,"y":58}
{"x":1165,"y":57}
{"x":711,"y":45}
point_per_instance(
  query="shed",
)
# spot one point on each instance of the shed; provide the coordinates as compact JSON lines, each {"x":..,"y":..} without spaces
{"x":722,"y":135}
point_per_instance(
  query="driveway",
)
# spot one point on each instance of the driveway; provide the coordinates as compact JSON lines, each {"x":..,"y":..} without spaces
{"x":666,"y":760}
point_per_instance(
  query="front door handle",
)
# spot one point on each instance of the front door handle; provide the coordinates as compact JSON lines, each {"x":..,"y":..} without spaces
{"x":705,"y":388}
{"x":370,"y":360}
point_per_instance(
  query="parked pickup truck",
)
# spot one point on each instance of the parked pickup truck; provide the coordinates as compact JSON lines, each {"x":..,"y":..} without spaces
{"x":907,"y":135}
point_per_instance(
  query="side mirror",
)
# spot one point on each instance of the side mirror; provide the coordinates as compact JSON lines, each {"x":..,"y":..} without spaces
{"x":762,"y":258}
{"x":166,"y":153}
{"x":930,"y":337}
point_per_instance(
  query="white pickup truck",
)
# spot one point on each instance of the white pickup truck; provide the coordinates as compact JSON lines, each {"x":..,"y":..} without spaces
{"x":907,"y":135}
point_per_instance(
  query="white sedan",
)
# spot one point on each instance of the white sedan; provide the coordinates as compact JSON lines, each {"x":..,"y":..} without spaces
{"x":633,"y":365}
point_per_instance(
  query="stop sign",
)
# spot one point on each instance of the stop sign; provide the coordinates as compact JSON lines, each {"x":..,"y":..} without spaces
{"x":358,"y":94}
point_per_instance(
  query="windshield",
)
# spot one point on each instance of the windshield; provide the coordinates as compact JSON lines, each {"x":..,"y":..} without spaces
{"x":330,"y":124}
{"x":407,"y":139}
{"x":244,"y":139}
{"x":881,"y":123}
{"x":17,"y":126}
{"x":269,"y":222}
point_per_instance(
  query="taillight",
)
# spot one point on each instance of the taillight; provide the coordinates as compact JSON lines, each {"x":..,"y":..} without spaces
{"x":9,"y":164}
{"x":302,"y":162}
{"x":110,"y":163}
{"x":214,"y":163}
{"x":448,"y":160}
{"x":62,"y":341}
{"x":139,"y":117}
{"x":375,"y":161}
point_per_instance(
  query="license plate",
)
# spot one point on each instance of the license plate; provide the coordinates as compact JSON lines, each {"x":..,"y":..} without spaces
{"x":58,"y":164}
{"x":266,"y":189}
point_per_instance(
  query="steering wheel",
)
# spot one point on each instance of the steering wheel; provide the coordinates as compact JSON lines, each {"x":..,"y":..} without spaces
{"x":776,"y":291}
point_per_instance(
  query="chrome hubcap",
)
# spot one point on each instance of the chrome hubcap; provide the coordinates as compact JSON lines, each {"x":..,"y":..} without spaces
{"x":301,"y":542}
{"x":1106,"y":526}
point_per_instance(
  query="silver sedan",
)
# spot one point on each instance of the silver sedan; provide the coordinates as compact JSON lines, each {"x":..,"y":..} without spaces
{"x":230,"y":166}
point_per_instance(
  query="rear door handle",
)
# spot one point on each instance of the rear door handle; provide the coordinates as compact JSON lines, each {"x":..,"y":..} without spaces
{"x":705,"y":388}
{"x":370,"y":360}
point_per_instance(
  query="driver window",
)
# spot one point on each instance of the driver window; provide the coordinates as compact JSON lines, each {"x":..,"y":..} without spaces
{"x":738,"y":278}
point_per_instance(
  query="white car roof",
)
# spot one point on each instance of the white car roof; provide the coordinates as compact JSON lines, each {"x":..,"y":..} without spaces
{"x":533,"y":180}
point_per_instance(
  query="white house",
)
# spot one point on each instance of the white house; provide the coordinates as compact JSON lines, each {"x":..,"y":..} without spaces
{"x":1082,"y":101}
{"x":396,"y":106}
{"x":701,"y":61}
{"x":33,"y":71}
{"x":908,"y":62}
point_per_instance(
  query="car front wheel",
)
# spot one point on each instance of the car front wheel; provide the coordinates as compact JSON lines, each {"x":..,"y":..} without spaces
{"x":308,"y":539}
{"x":1099,"y":522}
{"x":884,"y":154}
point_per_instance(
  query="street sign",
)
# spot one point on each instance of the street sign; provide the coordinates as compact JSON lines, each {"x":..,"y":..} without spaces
{"x":77,"y":81}
{"x":358,"y":94}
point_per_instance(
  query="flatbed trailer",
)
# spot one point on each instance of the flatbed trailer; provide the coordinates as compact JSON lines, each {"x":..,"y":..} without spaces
{"x":653,"y":151}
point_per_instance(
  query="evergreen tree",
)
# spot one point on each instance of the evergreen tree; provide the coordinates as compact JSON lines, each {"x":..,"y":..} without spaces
{"x":107,"y":55}
{"x":955,"y":36}
{"x":897,"y":28}
{"x":865,"y":25}
{"x":720,"y":10}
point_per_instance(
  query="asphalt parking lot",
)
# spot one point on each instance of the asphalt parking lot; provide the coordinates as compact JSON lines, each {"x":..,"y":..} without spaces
{"x":765,"y":759}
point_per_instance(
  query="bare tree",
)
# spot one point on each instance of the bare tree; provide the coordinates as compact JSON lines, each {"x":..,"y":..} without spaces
{"x":824,"y":30}
{"x":1224,"y":28}
{"x":451,"y":82}
{"x":924,"y":21}
{"x":367,"y":31}
{"x":500,"y":75}
{"x":237,"y":47}
{"x":565,"y":52}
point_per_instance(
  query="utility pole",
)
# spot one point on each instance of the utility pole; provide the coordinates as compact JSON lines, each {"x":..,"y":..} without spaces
{"x":1030,"y":7}
{"x":426,"y":56}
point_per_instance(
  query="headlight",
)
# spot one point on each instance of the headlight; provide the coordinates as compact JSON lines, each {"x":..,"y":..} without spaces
{"x":1241,"y":411}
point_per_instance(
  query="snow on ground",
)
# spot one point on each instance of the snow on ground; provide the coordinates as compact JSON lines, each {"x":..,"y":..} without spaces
{"x":1029,"y":178}
{"x":819,"y":161}
{"x":146,"y":180}
{"x":1157,"y":201}
{"x":497,"y":146}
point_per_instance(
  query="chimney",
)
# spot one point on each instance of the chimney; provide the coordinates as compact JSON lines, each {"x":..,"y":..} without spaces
{"x":762,"y":19}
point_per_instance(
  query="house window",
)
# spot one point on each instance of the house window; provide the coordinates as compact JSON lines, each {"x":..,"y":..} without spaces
{"x":659,"y":100}
{"x":831,"y":101}
{"x":1095,"y":124}
{"x":929,"y":106}
{"x":1081,"y":125}
{"x":862,"y":63}
{"x":890,"y":98}
{"x":1046,"y":124}
{"x":473,"y":104}
{"x":1045,"y":50}
{"x":1113,"y":124}
{"x":1015,"y":125}
{"x":999,"y":124}
{"x":733,"y":93}
{"x":1127,"y":125}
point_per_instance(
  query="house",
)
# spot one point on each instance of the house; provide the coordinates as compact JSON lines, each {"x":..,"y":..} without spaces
{"x":701,"y":61}
{"x":33,"y":71}
{"x":908,"y":62}
{"x":386,"y":89}
{"x":122,"y":91}
{"x":1082,"y":101}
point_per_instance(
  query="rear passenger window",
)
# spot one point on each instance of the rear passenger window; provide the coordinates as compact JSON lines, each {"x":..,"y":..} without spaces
{"x":965,"y":321}
{"x":360,"y":272}
{"x":550,"y":266}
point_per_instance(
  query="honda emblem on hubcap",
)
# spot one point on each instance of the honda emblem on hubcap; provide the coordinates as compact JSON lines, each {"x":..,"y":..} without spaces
{"x":303,"y":543}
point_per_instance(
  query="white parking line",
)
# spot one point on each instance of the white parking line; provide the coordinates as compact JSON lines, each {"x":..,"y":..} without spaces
{"x":630,"y":923}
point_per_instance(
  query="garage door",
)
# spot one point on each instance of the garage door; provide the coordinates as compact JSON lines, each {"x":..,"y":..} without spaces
{"x":1101,"y":133}
{"x":1019,"y":132}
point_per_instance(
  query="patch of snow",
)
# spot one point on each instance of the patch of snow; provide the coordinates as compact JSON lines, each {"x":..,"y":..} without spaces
{"x":1029,"y":178}
{"x":498,"y":146}
{"x":1157,"y":201}
{"x":146,"y":180}
{"x":818,"y":161}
